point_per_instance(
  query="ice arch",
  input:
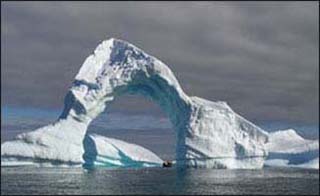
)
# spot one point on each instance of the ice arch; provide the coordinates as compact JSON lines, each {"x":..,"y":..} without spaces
{"x":117,"y":68}
{"x":209,"y":134}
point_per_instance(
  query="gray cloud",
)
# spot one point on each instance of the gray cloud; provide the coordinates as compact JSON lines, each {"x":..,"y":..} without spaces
{"x":262,"y":58}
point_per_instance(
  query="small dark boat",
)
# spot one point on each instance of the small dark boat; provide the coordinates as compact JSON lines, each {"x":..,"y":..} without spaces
{"x":167,"y":164}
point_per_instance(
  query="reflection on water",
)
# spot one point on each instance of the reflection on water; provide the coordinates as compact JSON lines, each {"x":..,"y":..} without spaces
{"x":26,"y":180}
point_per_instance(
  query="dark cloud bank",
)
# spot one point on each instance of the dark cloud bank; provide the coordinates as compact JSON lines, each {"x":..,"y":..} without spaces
{"x":262,"y":58}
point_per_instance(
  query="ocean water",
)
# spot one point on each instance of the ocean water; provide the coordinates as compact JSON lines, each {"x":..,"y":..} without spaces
{"x":154,"y":133}
{"x":30,"y":180}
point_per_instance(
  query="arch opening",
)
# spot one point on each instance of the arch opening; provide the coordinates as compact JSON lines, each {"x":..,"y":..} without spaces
{"x":157,"y":90}
{"x":147,"y":126}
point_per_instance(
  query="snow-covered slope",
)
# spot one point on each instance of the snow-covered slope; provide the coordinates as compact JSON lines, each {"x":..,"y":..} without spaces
{"x":288,"y":149}
{"x":94,"y":150}
{"x":209,"y":134}
{"x":108,"y":152}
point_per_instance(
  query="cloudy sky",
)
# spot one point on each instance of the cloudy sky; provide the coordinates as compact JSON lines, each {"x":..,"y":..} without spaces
{"x":262,"y":58}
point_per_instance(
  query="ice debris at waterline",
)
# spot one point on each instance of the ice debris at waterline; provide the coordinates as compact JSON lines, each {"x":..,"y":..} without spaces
{"x":209,"y":134}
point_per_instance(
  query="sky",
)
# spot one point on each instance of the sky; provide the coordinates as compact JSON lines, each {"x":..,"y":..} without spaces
{"x":260,"y":57}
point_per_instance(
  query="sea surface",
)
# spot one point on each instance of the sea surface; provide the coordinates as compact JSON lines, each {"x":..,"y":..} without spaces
{"x":154,"y":133}
{"x":30,"y":180}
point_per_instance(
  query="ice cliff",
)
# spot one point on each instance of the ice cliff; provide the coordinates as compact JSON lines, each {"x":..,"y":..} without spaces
{"x":209,"y":134}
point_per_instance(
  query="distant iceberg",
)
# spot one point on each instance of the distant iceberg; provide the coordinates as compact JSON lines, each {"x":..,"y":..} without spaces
{"x":288,"y":149}
{"x":209,"y":134}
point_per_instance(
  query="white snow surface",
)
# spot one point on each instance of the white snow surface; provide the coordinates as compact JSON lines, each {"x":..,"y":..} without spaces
{"x":209,"y":134}
{"x":45,"y":150}
{"x":288,"y":149}
{"x":103,"y":151}
{"x":288,"y":141}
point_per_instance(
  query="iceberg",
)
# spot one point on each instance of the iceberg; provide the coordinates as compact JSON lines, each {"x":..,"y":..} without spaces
{"x":95,"y":151}
{"x":208,"y":134}
{"x":288,"y":149}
